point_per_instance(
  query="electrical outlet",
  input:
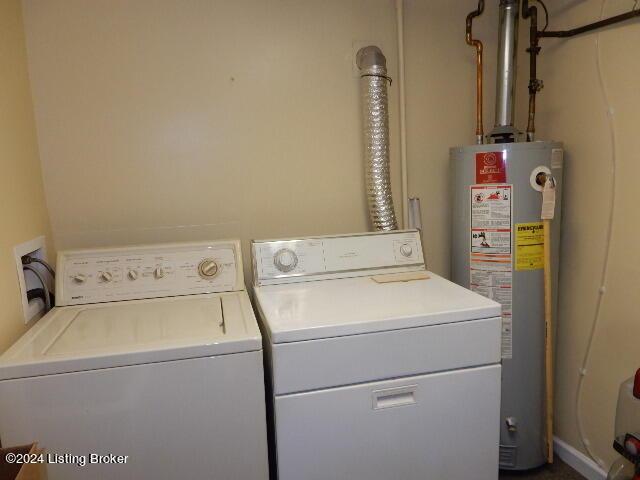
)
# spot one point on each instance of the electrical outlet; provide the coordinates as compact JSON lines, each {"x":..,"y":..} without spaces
{"x":28,"y":280}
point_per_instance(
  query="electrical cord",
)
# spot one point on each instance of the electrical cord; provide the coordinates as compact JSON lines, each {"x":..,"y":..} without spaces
{"x":47,"y":298}
{"x":605,"y":267}
{"x":28,"y":259}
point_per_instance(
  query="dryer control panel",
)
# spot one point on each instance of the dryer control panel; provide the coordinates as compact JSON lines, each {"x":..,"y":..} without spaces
{"x":339,"y":256}
{"x":150,"y":271}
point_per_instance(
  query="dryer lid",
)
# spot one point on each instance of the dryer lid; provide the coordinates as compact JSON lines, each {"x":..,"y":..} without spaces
{"x":128,"y":333}
{"x":353,"y":306}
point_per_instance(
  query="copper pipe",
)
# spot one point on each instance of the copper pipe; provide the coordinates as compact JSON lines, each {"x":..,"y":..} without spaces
{"x":477,"y":44}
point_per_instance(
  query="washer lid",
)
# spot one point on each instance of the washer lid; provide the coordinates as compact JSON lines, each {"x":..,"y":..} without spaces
{"x":352,"y":306}
{"x":128,"y":333}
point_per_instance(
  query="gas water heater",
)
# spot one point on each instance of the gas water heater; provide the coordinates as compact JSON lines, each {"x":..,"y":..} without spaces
{"x":497,"y":251}
{"x":498,"y":247}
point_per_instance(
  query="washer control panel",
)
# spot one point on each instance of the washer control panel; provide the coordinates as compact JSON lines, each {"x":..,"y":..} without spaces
{"x":165,"y":270}
{"x":340,"y":256}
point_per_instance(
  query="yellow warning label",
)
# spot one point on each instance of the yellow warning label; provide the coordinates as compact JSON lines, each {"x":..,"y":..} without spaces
{"x":529,"y":246}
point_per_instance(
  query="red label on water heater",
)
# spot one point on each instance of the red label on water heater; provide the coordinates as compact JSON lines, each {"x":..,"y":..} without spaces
{"x":491,"y":167}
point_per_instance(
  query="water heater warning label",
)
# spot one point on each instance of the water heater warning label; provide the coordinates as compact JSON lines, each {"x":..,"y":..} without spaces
{"x":491,"y":167}
{"x":529,"y":246}
{"x":491,"y":260}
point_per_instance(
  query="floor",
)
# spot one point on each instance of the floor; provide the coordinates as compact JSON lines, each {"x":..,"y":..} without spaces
{"x":558,"y":471}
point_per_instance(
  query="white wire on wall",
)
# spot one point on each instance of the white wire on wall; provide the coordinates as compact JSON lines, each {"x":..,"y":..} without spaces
{"x":605,"y":266}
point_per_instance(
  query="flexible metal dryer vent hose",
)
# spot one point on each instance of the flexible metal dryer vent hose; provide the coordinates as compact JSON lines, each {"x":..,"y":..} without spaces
{"x":375,"y":107}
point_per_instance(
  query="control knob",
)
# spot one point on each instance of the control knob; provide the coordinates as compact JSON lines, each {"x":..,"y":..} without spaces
{"x":105,"y":277}
{"x":80,"y":278}
{"x":208,"y":268}
{"x":285,"y":260}
{"x":406,"y":250}
{"x":158,"y":273}
{"x":132,"y":275}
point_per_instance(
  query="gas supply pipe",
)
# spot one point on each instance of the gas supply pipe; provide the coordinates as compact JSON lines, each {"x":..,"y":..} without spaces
{"x":477,"y":44}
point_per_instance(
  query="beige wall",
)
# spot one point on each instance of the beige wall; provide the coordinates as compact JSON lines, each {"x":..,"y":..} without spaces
{"x":23,"y":213}
{"x":572,"y":108}
{"x":164,"y":120}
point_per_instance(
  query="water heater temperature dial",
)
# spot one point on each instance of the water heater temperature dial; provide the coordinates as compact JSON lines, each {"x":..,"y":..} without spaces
{"x":285,"y":260}
{"x":208,"y":268}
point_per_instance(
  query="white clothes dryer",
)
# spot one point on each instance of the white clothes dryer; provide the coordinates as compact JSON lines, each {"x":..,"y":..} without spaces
{"x":378,"y":369}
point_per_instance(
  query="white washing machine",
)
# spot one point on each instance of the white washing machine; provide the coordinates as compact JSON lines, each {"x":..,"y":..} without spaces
{"x":378,"y":369}
{"x":155,"y":356}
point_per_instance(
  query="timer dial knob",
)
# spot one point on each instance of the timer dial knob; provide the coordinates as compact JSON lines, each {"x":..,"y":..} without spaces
{"x":406,"y":250}
{"x":208,"y":268}
{"x":132,"y":274}
{"x":80,"y":278}
{"x":158,"y":273}
{"x":285,"y":260}
{"x":106,"y":277}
